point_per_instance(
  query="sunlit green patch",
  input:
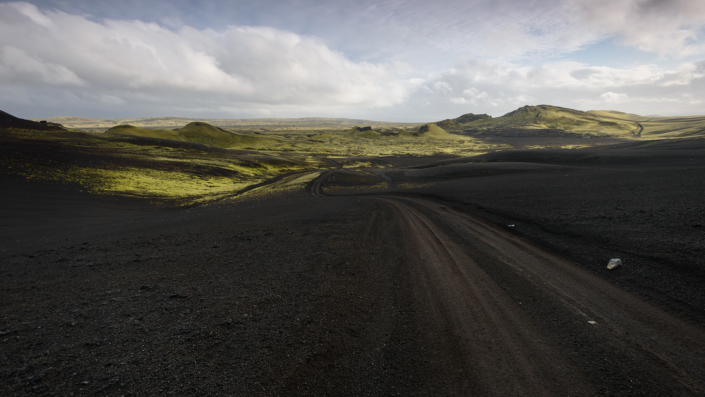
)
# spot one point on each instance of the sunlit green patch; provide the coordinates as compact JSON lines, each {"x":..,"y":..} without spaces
{"x":160,"y":184}
{"x":147,"y":183}
{"x":115,"y":165}
{"x":359,"y":164}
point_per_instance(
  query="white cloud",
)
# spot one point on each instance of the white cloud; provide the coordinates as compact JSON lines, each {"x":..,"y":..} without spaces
{"x":514,"y":29}
{"x":502,"y":51}
{"x":500,"y":87}
{"x":471,"y":92}
{"x":667,"y":27}
{"x":442,"y":86}
{"x":17,"y":65}
{"x":241,"y":64}
{"x":410,"y":29}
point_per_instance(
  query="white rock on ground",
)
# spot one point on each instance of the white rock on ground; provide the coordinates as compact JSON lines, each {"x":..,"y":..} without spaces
{"x":614,"y":263}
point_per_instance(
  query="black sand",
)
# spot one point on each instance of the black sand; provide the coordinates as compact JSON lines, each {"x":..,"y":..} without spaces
{"x":302,"y":295}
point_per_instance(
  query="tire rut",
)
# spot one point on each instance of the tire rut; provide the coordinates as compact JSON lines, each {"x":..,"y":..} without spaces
{"x":484,"y":343}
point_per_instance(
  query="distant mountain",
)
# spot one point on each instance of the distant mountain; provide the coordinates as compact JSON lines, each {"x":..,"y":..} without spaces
{"x":543,"y":120}
{"x":178,"y":122}
{"x":199,"y":132}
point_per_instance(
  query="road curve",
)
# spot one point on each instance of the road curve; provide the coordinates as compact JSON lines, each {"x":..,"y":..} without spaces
{"x":315,"y":187}
{"x":504,"y":317}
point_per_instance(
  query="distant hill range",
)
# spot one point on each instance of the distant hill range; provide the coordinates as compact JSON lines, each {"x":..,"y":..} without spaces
{"x":553,"y":120}
{"x":262,"y":123}
{"x":527,"y":121}
{"x":425,"y":131}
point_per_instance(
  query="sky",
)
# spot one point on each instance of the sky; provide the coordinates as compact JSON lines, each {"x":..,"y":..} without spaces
{"x":394,"y":60}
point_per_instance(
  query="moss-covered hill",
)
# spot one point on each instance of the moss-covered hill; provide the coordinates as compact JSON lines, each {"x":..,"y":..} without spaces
{"x":178,"y":172}
{"x":434,"y":131}
{"x":199,"y":132}
{"x":545,"y":117}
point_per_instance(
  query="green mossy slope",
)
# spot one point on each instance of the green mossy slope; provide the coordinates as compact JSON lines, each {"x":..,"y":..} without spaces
{"x":199,"y":132}
{"x":546,"y":117}
{"x":434,"y":131}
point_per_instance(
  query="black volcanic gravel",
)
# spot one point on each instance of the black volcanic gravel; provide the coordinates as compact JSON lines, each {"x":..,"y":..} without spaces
{"x":272,"y":297}
{"x":300,"y":295}
{"x":651,"y":215}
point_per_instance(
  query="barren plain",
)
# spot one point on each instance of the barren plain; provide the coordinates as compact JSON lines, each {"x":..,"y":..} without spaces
{"x":313,"y":273}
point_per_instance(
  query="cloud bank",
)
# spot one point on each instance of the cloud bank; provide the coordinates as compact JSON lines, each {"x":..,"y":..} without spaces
{"x":497,"y":88}
{"x":376,"y":59}
{"x":257,"y":66}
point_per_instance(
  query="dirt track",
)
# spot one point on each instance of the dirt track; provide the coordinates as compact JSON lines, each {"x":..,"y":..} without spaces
{"x":508,"y":318}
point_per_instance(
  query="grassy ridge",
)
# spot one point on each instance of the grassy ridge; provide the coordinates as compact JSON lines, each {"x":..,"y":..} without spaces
{"x":199,"y":132}
{"x":123,"y":165}
{"x":674,"y":126}
{"x":618,"y":115}
{"x":545,"y":117}
{"x":548,"y":117}
{"x":667,"y":127}
{"x":434,"y":131}
{"x":527,"y":120}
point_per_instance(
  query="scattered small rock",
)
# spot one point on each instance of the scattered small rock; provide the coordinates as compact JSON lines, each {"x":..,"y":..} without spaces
{"x":614,"y":263}
{"x":177,"y":296}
